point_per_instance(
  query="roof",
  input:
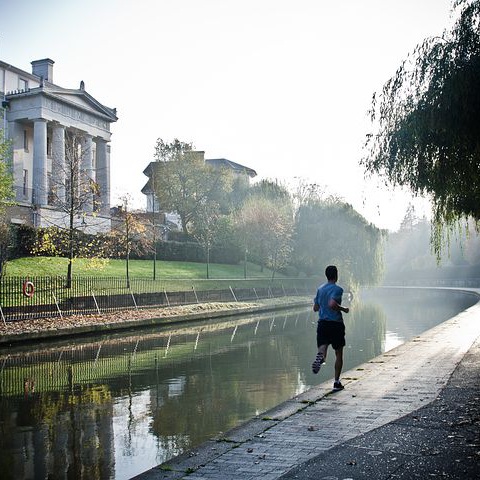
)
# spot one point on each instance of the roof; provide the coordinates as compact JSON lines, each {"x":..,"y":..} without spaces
{"x":18,"y":71}
{"x":79,"y":99}
{"x":147,"y":188}
{"x":223,"y":162}
{"x":76,"y":97}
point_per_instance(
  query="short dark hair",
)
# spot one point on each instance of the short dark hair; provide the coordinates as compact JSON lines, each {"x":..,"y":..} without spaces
{"x":331,"y":272}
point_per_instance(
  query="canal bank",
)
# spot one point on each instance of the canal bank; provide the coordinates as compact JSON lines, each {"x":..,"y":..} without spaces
{"x":57,"y":327}
{"x":412,"y":412}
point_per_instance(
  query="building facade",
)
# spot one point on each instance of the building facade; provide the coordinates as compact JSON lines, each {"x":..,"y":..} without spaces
{"x":60,"y":147}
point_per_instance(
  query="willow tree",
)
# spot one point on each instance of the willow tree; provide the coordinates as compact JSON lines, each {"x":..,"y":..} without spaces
{"x":427,"y":123}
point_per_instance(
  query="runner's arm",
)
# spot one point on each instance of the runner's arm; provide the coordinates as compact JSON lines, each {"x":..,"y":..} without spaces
{"x":334,"y":305}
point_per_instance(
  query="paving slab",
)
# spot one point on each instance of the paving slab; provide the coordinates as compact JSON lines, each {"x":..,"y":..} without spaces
{"x":401,"y":415}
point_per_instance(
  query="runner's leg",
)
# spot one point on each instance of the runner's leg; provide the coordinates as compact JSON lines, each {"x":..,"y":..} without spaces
{"x":338,"y":362}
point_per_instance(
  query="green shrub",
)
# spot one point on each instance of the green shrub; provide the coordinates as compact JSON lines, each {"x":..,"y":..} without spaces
{"x":23,"y":241}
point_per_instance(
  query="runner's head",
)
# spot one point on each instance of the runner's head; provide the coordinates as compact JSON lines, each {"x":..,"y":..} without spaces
{"x":331,"y":273}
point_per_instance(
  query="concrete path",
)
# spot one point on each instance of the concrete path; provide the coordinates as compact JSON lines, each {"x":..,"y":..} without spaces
{"x":321,"y":434}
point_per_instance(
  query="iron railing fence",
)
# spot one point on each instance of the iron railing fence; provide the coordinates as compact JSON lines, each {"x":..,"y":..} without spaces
{"x":43,"y":296}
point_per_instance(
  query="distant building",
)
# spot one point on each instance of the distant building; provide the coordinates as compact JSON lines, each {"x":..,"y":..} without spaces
{"x":234,"y":167}
{"x":154,"y":169}
{"x":40,"y":118}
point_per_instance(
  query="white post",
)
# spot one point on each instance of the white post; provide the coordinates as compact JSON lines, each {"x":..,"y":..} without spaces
{"x":195,"y":293}
{"x":58,"y":308}
{"x":134,"y":302}
{"x":3,"y":316}
{"x":166,"y":297}
{"x":96,"y":304}
{"x":231,"y":289}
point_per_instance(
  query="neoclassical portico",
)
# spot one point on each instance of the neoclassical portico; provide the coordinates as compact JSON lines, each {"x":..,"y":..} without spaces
{"x":54,"y":131}
{"x":55,"y":164}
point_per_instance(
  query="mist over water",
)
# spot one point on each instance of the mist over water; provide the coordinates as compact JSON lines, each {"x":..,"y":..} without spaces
{"x":114,"y":406}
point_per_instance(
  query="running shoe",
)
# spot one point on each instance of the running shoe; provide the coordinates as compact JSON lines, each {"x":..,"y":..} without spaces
{"x":337,"y":386}
{"x":317,"y":363}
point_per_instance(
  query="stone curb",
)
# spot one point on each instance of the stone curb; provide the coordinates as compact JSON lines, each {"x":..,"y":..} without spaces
{"x":94,"y":329}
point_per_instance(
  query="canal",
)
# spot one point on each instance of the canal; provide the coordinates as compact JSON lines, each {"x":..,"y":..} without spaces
{"x":113,"y":406}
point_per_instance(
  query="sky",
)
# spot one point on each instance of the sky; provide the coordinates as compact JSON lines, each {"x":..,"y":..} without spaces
{"x":280,"y":86}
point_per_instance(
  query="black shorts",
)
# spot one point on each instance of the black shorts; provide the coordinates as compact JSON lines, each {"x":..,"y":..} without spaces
{"x":331,"y":333}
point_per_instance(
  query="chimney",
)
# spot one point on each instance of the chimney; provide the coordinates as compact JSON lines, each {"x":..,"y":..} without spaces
{"x":43,"y":68}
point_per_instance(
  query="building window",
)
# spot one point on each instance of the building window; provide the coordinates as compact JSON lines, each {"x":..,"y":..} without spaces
{"x":51,"y":192}
{"x":25,"y":182}
{"x":25,"y":140}
{"x":49,"y":146}
{"x":22,"y":84}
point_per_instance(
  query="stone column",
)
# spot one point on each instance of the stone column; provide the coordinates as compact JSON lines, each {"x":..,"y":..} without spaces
{"x":15,"y":132}
{"x":40,"y":180}
{"x":86,"y":175}
{"x":58,"y":164}
{"x":103,"y":175}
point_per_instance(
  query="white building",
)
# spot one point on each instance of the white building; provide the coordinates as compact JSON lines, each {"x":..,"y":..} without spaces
{"x":41,"y":119}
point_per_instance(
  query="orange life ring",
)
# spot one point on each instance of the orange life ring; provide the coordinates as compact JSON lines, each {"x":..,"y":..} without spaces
{"x":28,"y":288}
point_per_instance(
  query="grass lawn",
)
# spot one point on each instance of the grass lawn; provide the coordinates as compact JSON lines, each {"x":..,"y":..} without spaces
{"x":52,"y":266}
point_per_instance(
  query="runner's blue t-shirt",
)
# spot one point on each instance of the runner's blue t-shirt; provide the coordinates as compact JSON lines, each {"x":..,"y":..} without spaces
{"x":325,"y":293}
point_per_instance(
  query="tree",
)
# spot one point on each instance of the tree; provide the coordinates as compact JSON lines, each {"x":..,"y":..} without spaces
{"x":183,"y":181}
{"x":408,"y":250}
{"x":410,"y":219}
{"x":74,"y":193}
{"x":270,"y":189}
{"x":265,"y":225}
{"x":304,"y":193}
{"x":427,"y":122}
{"x":281,"y":235}
{"x":331,"y":232}
{"x":6,"y":194}
{"x":205,"y":227}
{"x":130,"y":235}
{"x":5,"y":241}
{"x":240,"y":190}
{"x":6,"y":180}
